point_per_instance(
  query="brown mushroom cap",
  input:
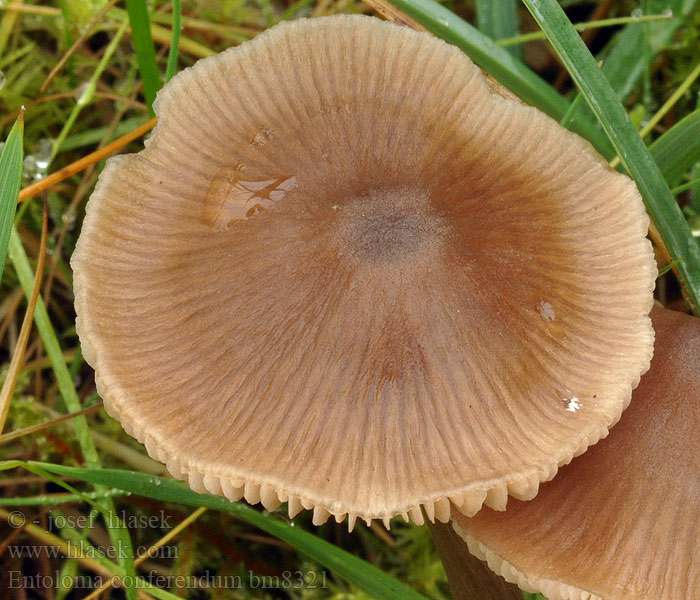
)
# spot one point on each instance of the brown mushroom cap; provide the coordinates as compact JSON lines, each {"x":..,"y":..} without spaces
{"x":622,"y":521}
{"x":346,"y":274}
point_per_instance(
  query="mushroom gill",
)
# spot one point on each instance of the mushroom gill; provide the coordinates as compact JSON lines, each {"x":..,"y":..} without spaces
{"x":346,"y":274}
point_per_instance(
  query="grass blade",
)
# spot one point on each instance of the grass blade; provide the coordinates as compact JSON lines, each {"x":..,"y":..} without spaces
{"x":363,"y":575}
{"x":10,"y":181}
{"x":119,"y":536}
{"x":144,"y":48}
{"x":501,"y":65}
{"x":680,"y":91}
{"x":82,"y":163}
{"x":499,"y":20}
{"x":624,"y":64}
{"x":695,"y":194}
{"x":174,"y":41}
{"x":91,"y":559}
{"x":7,"y":24}
{"x":87,"y":94}
{"x":8,"y":386}
{"x":164,"y":35}
{"x":94,"y":136}
{"x":632,"y":151}
{"x":679,"y":148}
{"x":56,"y":499}
{"x":68,"y":40}
{"x":48,"y":335}
{"x":584,"y":26}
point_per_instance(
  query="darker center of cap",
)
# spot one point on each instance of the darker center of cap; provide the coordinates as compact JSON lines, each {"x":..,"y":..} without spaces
{"x":390,"y":225}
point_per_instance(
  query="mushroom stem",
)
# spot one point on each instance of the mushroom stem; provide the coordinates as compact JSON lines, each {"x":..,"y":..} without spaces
{"x":469,"y":577}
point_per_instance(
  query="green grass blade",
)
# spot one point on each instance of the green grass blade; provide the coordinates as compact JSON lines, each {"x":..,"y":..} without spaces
{"x":631,"y":149}
{"x":685,"y":187}
{"x":80,"y":540}
{"x":695,"y":194}
{"x":7,"y":25}
{"x":20,"y":262}
{"x":499,"y":20}
{"x":68,"y":41}
{"x":624,"y":64}
{"x":174,"y":41}
{"x":120,"y":532}
{"x":53,"y":478}
{"x":678,"y":149}
{"x":585,"y":26}
{"x":10,"y":181}
{"x":363,"y":575}
{"x":94,"y":136}
{"x":119,"y":536}
{"x":501,"y":65}
{"x":56,"y":499}
{"x":646,"y":58}
{"x":87,"y":95}
{"x":144,"y":48}
{"x":575,"y":104}
{"x":165,"y":35}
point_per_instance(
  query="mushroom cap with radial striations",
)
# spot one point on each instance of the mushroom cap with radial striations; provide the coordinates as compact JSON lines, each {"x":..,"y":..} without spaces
{"x":346,"y":274}
{"x":622,"y":522}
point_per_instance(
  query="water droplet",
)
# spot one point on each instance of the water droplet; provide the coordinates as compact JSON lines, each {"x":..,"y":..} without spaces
{"x":637,"y":13}
{"x":68,"y":219}
{"x":83,"y":93}
{"x":572,"y":404}
{"x":30,"y":171}
{"x":546,"y":310}
{"x":234,"y":197}
{"x":29,"y":163}
{"x":156,"y":482}
{"x":668,"y":13}
{"x":43,"y":154}
{"x":3,"y":80}
{"x":263,"y":137}
{"x":694,"y":223}
{"x":80,"y":90}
